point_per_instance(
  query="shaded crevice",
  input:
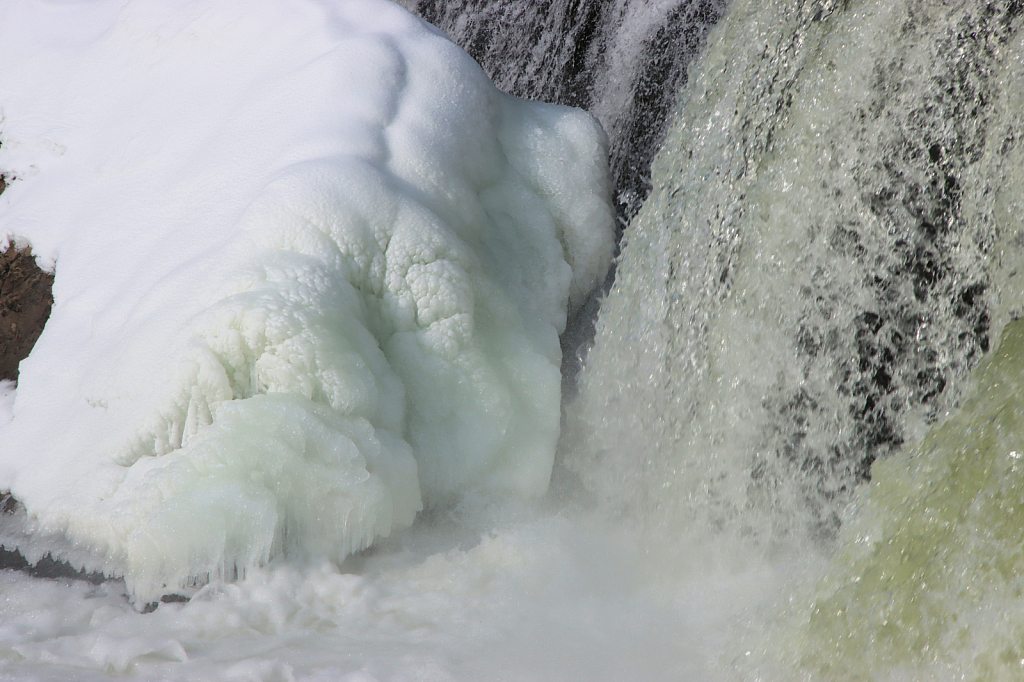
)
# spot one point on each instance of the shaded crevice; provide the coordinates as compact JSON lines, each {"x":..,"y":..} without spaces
{"x":46,"y":567}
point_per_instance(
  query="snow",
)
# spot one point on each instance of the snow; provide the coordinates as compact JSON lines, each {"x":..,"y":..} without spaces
{"x":310,"y":272}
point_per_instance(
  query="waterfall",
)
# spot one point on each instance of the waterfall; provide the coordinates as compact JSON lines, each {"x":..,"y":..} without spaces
{"x":817,"y":280}
{"x":816,"y":269}
{"x":927,"y":577}
{"x":792,"y":430}
{"x":831,"y":246}
{"x":827,"y":249}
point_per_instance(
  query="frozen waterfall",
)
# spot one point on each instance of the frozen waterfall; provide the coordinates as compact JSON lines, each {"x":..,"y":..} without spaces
{"x":793,"y":451}
{"x":310,"y":272}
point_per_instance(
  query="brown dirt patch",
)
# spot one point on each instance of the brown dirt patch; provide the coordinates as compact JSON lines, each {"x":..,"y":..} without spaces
{"x":25,"y":300}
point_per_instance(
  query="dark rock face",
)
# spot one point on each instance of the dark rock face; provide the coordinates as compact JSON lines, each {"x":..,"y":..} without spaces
{"x":25,"y":301}
{"x":624,"y":61}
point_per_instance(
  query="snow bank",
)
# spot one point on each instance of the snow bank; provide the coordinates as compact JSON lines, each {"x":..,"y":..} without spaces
{"x":311,"y":268}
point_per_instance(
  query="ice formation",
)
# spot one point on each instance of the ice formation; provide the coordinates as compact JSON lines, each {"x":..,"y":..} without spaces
{"x":311,"y":268}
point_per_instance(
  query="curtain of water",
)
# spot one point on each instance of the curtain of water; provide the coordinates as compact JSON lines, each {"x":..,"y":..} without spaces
{"x":822,"y":260}
{"x":832,"y":244}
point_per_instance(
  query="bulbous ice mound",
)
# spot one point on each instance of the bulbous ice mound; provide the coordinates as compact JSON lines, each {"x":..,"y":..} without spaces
{"x":311,"y":268}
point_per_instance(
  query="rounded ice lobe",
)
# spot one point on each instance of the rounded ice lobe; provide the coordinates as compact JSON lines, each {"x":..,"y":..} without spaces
{"x":311,"y":268}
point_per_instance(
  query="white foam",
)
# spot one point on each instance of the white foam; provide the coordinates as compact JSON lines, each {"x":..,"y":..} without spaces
{"x":300,"y":253}
{"x":541,"y":597}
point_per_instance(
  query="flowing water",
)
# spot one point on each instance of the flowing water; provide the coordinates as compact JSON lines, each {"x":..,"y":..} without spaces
{"x":830,"y":248}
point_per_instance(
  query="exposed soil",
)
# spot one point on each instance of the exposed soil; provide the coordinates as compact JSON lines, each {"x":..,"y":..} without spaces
{"x":25,"y":300}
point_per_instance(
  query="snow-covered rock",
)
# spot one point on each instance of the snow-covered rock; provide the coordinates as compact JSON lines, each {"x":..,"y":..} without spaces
{"x":311,"y":268}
